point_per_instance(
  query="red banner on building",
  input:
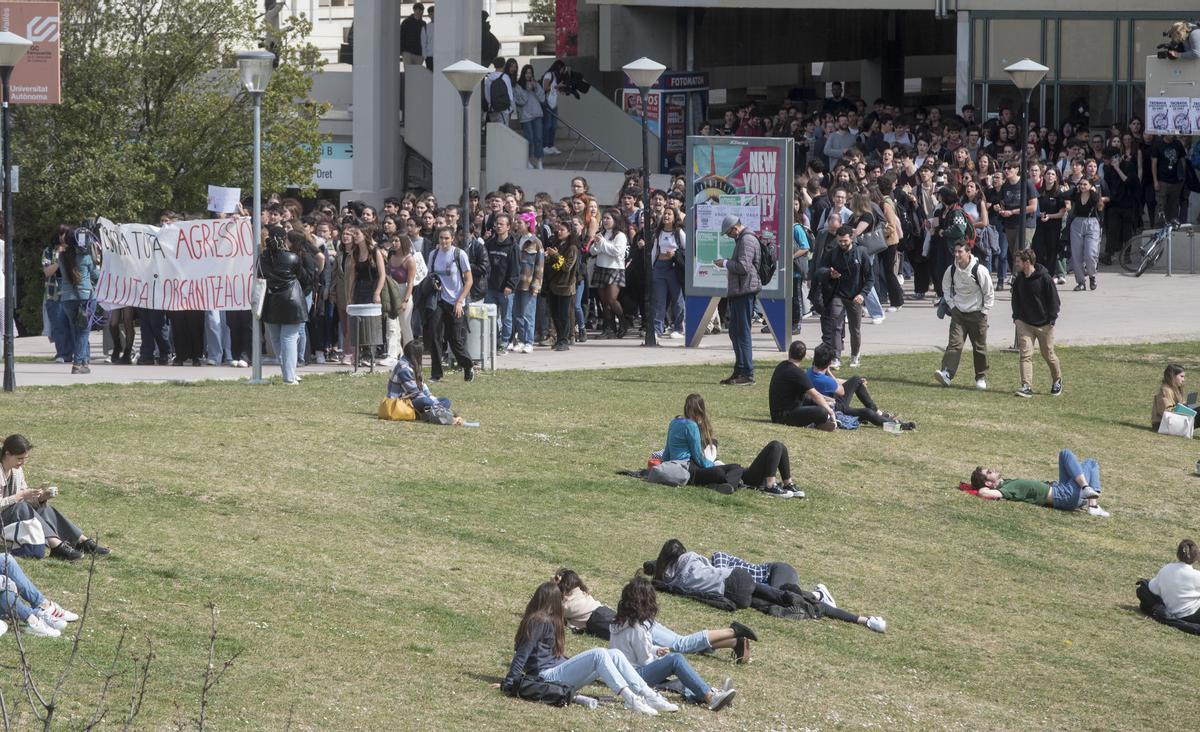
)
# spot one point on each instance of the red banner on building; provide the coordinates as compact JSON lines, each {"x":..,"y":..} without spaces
{"x":35,"y":79}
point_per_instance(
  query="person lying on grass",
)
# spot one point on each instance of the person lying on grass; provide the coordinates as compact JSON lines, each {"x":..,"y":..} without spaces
{"x":632,"y":635}
{"x":540,"y":646}
{"x":744,"y":583}
{"x":407,"y":382}
{"x":19,"y":598}
{"x":690,"y":438}
{"x":841,"y":391}
{"x":1077,"y":485}
{"x":587,"y":614}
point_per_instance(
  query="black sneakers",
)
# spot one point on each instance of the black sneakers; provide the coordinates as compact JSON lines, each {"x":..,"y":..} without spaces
{"x":1056,"y":390}
{"x":91,"y":547}
{"x":67,"y":552}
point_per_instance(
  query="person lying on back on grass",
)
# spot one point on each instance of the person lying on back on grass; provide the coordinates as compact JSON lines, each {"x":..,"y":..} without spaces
{"x":841,"y":391}
{"x":1077,"y":485}
{"x":587,"y":614}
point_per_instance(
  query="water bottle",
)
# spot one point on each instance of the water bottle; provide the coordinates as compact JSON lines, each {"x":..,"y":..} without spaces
{"x":891,"y":426}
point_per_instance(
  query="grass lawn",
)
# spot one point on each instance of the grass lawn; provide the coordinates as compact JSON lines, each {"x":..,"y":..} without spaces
{"x":372,"y":574}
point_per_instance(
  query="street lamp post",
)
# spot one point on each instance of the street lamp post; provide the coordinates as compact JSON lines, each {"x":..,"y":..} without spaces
{"x":464,"y":76}
{"x":255,"y":68}
{"x":12,"y":50}
{"x":1026,"y":74}
{"x":643,"y":73}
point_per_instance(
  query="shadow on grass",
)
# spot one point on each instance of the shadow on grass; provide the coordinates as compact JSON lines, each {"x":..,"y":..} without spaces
{"x":484,"y":678}
{"x":1133,"y":609}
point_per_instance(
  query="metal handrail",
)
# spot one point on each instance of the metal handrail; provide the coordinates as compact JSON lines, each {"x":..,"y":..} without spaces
{"x":590,"y":141}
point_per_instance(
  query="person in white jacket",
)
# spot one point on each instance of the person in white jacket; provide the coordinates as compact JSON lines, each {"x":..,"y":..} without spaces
{"x":609,"y":249}
{"x":630,"y":634}
{"x":1177,"y":583}
{"x":969,"y":295}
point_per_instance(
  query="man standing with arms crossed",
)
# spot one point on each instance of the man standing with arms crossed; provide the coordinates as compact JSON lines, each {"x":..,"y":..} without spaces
{"x":743,"y":286}
{"x":1035,"y":308}
{"x":968,"y":293}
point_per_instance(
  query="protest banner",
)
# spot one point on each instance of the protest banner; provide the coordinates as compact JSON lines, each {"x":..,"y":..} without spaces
{"x":188,"y":265}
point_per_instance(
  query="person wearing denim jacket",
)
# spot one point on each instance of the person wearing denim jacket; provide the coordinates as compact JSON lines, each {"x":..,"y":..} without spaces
{"x":80,"y":273}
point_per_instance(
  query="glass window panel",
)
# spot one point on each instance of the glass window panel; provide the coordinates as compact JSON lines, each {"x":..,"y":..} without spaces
{"x":1011,"y":40}
{"x":1137,"y":106}
{"x":1087,"y":50}
{"x":977,"y":49}
{"x":1092,"y":104}
{"x":1051,"y":44}
{"x":1147,"y":34}
{"x":1123,"y":49}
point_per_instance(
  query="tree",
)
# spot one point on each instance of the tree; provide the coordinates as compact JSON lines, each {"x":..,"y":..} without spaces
{"x":152,"y":113}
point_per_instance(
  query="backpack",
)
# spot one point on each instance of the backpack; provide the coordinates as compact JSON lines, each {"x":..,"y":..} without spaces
{"x":974,"y":276}
{"x":535,"y":689}
{"x":960,"y":227}
{"x":669,"y":472}
{"x":498,"y":92}
{"x":767,"y":262}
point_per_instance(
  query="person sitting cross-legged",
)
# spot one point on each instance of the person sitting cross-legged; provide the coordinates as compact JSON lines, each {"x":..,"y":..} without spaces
{"x":841,"y":391}
{"x":1078,"y":484}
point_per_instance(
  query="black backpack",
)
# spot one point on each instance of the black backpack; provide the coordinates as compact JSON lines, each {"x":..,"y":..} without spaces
{"x":532,"y":688}
{"x":768,"y":262}
{"x":498,"y":91}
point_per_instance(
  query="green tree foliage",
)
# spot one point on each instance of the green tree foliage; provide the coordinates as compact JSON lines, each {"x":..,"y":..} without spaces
{"x":152,"y":113}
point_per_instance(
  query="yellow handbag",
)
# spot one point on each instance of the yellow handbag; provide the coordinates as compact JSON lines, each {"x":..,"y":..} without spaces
{"x":397,"y":410}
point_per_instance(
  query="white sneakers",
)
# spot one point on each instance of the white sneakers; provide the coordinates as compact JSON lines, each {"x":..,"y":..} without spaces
{"x":822,"y":592}
{"x":527,"y":348}
{"x":721,"y":699}
{"x":1097,"y":511}
{"x":48,"y":618}
{"x":877,"y":624}
{"x":387,"y":363}
{"x":635,"y":703}
{"x":60,"y":612}
{"x":943,"y":376}
{"x":515,"y":347}
{"x":855,"y":362}
{"x":980,"y":384}
{"x":878,"y":320}
{"x":658,"y":702}
{"x":34,"y":625}
{"x":4,"y":629}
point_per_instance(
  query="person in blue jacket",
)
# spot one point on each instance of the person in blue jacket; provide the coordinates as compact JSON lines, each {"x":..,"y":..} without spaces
{"x":690,"y":438}
{"x":80,"y":273}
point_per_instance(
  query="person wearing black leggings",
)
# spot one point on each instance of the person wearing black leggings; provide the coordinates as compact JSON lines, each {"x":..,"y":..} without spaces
{"x":792,"y":398}
{"x":746,"y":584}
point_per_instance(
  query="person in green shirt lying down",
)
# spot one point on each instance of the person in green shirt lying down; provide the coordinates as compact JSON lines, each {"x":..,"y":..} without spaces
{"x":1078,"y":484}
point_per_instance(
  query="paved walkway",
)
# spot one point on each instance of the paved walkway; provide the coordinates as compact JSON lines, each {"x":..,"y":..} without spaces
{"x":1122,"y":310}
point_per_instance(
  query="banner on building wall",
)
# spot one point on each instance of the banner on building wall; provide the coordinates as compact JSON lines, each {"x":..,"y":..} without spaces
{"x":566,"y":28}
{"x":35,"y":79}
{"x":189,"y":265}
{"x":748,"y":177}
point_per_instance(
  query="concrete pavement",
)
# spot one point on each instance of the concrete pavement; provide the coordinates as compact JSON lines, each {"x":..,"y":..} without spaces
{"x":1123,"y":310}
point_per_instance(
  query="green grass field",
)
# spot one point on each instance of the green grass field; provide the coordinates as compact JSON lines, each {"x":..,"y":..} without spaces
{"x":372,"y":574}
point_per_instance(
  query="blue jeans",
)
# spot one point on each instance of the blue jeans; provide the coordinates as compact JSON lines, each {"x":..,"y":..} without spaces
{"x":663,"y":636}
{"x":284,"y":338}
{"x":533,"y":133}
{"x":302,"y":344}
{"x":1065,"y":490}
{"x":580,"y":321}
{"x":741,"y":310}
{"x":873,"y":306}
{"x":549,"y":126}
{"x":64,"y":347}
{"x":504,"y":307}
{"x":667,"y":292}
{"x":674,"y":664}
{"x":153,"y":324}
{"x":25,"y":598}
{"x":424,"y":403}
{"x":999,"y":263}
{"x":77,"y":336}
{"x":216,"y":337}
{"x":607,"y":664}
{"x":525,"y":314}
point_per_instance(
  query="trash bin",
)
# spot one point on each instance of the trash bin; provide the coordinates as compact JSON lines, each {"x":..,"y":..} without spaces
{"x":363,"y":331}
{"x":481,"y":335}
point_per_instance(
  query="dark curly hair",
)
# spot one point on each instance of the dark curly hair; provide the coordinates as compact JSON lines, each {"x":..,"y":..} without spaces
{"x":639,"y":603}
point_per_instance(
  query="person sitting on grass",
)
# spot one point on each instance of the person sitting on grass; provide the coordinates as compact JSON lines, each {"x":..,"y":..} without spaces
{"x":19,"y":598}
{"x":1078,"y":484}
{"x":540,"y":645}
{"x":406,"y":382}
{"x":792,"y":398}
{"x":30,"y":522}
{"x":841,"y":391}
{"x":1170,"y":393}
{"x":690,"y":438}
{"x":632,"y":635}
{"x":1178,"y":584}
{"x":746,"y":584}
{"x":587,"y":614}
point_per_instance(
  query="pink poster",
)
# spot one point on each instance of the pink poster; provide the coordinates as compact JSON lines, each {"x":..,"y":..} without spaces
{"x":566,"y":29}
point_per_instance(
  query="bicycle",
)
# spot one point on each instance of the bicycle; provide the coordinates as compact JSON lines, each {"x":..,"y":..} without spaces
{"x":1142,"y":252}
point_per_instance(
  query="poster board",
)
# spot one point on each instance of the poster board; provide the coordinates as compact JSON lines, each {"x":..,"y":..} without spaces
{"x":749,"y":177}
{"x":1172,"y":96}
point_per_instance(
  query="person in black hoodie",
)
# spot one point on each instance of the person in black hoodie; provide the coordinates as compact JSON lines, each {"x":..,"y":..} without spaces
{"x":1035,"y":308}
{"x":502,"y":277}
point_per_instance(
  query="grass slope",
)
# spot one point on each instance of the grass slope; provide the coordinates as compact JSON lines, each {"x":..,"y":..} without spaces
{"x":372,"y":574}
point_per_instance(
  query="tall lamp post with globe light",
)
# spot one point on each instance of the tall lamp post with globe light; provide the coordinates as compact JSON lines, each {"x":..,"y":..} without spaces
{"x":464,"y":76}
{"x":643,"y":73}
{"x":12,"y":50}
{"x":255,"y":68}
{"x":1026,"y":74}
